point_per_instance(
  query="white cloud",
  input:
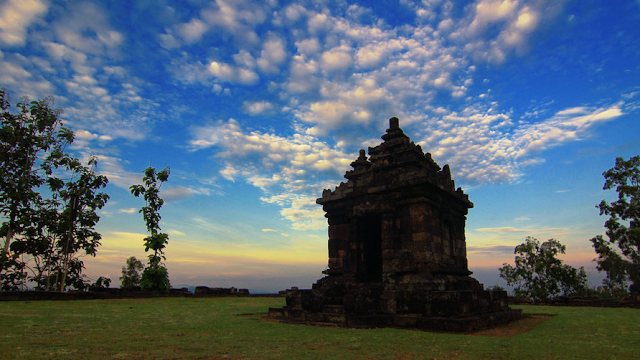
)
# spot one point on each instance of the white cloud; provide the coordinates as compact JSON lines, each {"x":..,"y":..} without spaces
{"x":568,"y":125}
{"x":319,"y":23}
{"x":485,"y":147}
{"x":85,"y":28}
{"x":273,"y":54}
{"x":494,"y":28}
{"x":337,"y":59}
{"x":17,"y":74}
{"x":16,"y":16}
{"x":257,"y":107}
{"x":308,"y":47}
{"x":378,"y":53}
{"x":112,"y":168}
{"x":237,"y":18}
{"x":228,"y":73}
{"x":510,"y":230}
{"x":289,"y":170}
{"x":173,"y":232}
{"x":342,"y":79}
{"x":193,"y":30}
{"x":295,"y":12}
{"x":176,"y":193}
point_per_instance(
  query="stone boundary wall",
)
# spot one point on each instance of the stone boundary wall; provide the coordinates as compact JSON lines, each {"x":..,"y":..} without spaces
{"x":94,"y":293}
{"x":580,"y":301}
{"x":115,"y":293}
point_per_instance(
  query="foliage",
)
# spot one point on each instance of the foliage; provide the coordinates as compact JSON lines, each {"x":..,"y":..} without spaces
{"x":102,"y":283}
{"x":496,"y":288}
{"x":48,"y":198}
{"x":623,"y":228}
{"x":131,"y":273}
{"x":155,"y":276}
{"x":539,"y":274}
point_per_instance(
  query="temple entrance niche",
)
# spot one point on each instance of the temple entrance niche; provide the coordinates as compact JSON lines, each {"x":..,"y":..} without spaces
{"x":397,"y":249}
{"x":369,"y":240}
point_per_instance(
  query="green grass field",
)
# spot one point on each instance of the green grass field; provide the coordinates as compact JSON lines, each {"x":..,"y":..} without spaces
{"x":227,"y":328}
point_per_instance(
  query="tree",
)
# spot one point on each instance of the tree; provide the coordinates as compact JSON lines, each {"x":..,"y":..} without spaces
{"x":623,"y":228}
{"x":155,"y":276}
{"x":44,"y":233}
{"x":539,"y":274}
{"x":102,"y":283}
{"x":33,"y":135}
{"x":131,"y":273}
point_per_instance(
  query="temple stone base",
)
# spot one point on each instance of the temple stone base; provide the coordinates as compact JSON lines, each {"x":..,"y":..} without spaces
{"x":450,"y":303}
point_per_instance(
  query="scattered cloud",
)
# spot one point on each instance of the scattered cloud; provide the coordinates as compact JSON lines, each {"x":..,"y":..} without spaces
{"x":176,"y":193}
{"x":485,"y":146}
{"x":289,"y":170}
{"x":331,"y":74}
{"x":257,"y":107}
{"x":15,"y":18}
{"x":510,"y":230}
{"x":500,"y":249}
{"x":274,"y":231}
{"x":493,"y":29}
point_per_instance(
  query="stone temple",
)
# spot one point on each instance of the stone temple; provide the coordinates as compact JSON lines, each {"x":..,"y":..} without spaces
{"x":397,"y":251}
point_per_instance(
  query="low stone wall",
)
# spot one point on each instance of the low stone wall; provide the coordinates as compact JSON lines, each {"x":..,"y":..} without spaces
{"x":94,"y":293}
{"x":115,"y":293}
{"x":580,"y":301}
{"x":207,"y":291}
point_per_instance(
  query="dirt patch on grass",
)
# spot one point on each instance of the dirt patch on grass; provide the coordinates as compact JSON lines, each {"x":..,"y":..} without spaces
{"x":527,"y":323}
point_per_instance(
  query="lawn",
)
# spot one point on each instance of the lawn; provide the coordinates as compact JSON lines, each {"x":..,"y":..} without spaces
{"x":233,"y":328}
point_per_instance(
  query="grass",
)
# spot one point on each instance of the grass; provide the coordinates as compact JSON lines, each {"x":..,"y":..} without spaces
{"x":220,"y":328}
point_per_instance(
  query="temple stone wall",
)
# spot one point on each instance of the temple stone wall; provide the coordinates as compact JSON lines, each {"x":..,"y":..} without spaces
{"x":397,"y":249}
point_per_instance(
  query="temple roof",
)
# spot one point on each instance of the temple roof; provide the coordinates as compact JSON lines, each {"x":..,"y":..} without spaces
{"x":395,"y":163}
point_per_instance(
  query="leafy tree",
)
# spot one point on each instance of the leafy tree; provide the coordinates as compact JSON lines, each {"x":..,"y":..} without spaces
{"x":539,"y":274}
{"x":102,"y":283}
{"x":44,"y":234}
{"x":155,"y":276}
{"x":496,"y":288}
{"x":623,"y":228}
{"x":131,"y":273}
{"x":33,"y":135}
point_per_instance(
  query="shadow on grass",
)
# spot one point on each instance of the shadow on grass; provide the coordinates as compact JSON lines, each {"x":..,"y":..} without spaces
{"x":524,"y":325}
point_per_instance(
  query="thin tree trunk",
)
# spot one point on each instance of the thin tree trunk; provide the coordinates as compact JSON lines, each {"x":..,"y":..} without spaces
{"x":73,"y":203}
{"x":5,"y":250}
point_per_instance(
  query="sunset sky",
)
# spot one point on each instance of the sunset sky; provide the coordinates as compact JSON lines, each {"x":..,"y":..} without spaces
{"x":257,"y":106}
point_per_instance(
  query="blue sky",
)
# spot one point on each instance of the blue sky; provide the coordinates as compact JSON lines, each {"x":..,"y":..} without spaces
{"x":257,"y":106}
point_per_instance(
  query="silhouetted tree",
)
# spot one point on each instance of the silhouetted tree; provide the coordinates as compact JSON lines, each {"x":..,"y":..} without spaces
{"x":102,"y":283}
{"x":623,"y":228}
{"x":43,"y":233}
{"x":155,"y":276}
{"x":131,"y":273}
{"x":539,"y":274}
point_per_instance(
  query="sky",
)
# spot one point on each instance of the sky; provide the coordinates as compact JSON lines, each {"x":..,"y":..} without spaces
{"x":257,"y":106}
